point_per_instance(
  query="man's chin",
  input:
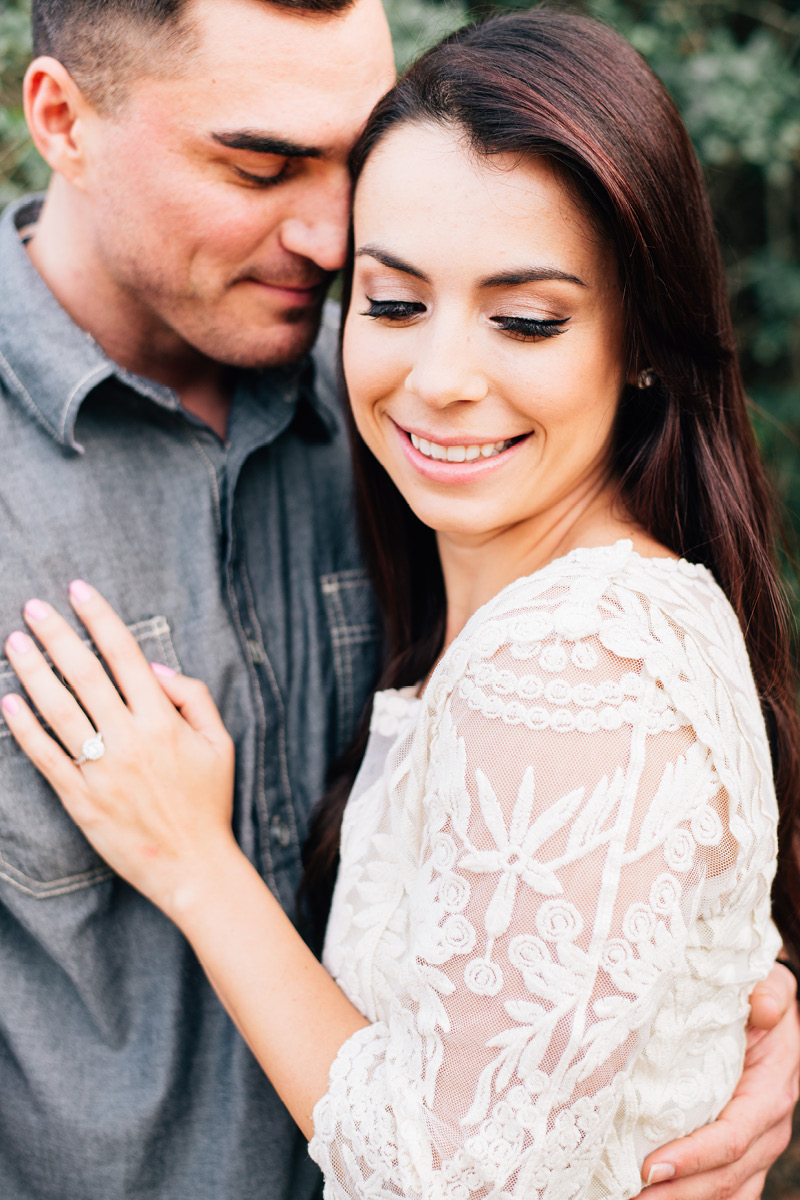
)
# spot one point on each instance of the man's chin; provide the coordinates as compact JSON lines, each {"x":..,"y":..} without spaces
{"x":280,"y":344}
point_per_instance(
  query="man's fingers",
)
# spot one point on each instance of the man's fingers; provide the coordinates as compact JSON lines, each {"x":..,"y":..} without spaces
{"x":716,"y":1145}
{"x":772,"y":998}
{"x":717,"y":1160}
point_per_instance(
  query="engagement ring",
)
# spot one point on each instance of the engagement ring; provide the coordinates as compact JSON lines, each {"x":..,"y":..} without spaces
{"x":91,"y":750}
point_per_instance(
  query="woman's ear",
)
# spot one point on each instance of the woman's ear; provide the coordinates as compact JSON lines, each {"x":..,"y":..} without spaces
{"x":56,"y":112}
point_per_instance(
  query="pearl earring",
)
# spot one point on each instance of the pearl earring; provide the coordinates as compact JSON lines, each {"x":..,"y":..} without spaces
{"x":646,"y":378}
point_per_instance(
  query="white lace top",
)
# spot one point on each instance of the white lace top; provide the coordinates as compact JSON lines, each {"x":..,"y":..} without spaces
{"x":553,"y":898}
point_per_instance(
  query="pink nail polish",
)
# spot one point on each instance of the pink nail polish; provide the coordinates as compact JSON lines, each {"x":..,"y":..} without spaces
{"x":19,"y":642}
{"x":80,"y":591}
{"x":35,"y":610}
{"x":160,"y":669}
{"x":10,"y":705}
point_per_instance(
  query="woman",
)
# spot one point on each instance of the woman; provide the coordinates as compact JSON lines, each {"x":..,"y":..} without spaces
{"x":553,"y":893}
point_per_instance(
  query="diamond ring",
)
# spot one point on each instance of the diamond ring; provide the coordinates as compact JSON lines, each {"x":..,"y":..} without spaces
{"x":91,"y":750}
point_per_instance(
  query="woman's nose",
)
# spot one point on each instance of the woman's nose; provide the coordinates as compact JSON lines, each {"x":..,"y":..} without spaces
{"x":445,"y":373}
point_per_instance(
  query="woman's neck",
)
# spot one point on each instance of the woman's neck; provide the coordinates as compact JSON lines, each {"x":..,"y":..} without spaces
{"x":475,"y":570}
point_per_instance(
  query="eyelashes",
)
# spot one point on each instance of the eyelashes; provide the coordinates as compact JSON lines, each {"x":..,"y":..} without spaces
{"x":528,"y":328}
{"x":393,"y":310}
{"x":521,"y":328}
{"x":263,"y":181}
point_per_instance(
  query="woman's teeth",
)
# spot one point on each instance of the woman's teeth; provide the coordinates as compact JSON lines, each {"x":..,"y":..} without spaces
{"x":458,"y":453}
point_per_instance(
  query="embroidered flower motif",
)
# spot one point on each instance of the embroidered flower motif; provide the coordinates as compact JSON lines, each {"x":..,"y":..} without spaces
{"x":584,"y":656}
{"x":621,"y":639}
{"x":575,"y":621}
{"x":679,"y":850}
{"x":665,"y":894}
{"x":483,"y":977}
{"x":558,"y":692}
{"x":610,"y":692}
{"x":443,"y":852}
{"x":504,"y":683}
{"x":586,"y":695}
{"x":527,"y":952}
{"x":616,"y":955}
{"x":639,"y":923}
{"x":587,"y":721}
{"x":530,"y":687}
{"x":559,"y":921}
{"x":453,"y":893}
{"x":532,"y":627}
{"x":514,"y":859}
{"x":458,"y":934}
{"x":488,"y":640}
{"x":707,"y":827}
{"x":553,"y":658}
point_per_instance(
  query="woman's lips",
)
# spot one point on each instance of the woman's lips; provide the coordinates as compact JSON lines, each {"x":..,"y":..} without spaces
{"x":455,"y":471}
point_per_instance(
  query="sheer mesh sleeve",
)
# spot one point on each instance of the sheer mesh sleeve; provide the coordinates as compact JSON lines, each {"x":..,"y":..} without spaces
{"x":567,"y":909}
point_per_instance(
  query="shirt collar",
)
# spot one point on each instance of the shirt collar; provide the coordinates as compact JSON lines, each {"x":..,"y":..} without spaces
{"x":52,"y":365}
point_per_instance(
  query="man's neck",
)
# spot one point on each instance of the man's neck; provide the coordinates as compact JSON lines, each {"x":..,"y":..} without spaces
{"x":64,"y":254}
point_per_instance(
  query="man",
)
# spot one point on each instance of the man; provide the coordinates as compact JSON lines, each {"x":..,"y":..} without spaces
{"x":167,"y":436}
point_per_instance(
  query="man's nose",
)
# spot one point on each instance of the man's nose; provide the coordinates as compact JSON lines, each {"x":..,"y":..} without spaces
{"x":318,"y":230}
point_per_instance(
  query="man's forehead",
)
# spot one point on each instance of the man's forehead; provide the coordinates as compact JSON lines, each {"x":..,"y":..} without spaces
{"x":260,"y":72}
{"x":268,"y":38}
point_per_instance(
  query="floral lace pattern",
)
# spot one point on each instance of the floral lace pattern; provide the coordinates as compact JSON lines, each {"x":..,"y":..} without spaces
{"x":553,"y":898}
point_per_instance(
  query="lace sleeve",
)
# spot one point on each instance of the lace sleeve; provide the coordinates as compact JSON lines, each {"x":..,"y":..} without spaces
{"x":582,"y":931}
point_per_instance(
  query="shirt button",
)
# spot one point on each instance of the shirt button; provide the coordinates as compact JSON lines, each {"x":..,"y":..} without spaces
{"x":256,"y":652}
{"x":281,"y":832}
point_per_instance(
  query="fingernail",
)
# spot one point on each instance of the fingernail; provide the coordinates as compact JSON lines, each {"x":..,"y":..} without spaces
{"x":10,"y":705}
{"x":36,"y":610}
{"x":80,"y":591}
{"x":20,"y":642}
{"x":160,"y":669}
{"x":660,"y":1173}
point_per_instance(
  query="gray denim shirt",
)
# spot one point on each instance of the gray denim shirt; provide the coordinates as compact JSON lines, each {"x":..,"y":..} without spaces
{"x":120,"y":1073}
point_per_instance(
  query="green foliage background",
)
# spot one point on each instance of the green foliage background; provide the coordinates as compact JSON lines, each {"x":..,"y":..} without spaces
{"x":734,"y":69}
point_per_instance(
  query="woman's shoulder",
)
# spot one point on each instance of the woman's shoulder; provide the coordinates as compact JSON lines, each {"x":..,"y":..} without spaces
{"x":610,"y":592}
{"x":597,"y":629}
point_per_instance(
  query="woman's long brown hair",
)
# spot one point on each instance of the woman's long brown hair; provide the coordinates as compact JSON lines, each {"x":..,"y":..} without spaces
{"x":569,"y":88}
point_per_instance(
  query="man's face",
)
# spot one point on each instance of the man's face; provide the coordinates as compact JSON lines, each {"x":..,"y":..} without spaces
{"x":218,"y":201}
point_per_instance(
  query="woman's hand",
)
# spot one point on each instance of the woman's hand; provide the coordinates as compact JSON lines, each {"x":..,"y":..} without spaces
{"x":157,"y":806}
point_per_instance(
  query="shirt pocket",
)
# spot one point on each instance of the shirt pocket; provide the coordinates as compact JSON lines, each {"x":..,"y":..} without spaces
{"x":353,"y":624}
{"x":42,"y":852}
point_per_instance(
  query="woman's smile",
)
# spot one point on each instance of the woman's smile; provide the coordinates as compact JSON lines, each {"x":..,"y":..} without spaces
{"x":484,"y":343}
{"x":455,"y":459}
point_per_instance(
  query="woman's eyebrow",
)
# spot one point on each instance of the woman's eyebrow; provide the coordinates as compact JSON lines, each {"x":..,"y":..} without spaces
{"x":529,"y":275}
{"x":390,"y":260}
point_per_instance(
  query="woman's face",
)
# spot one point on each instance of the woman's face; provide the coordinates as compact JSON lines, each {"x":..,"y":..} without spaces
{"x":484,"y":344}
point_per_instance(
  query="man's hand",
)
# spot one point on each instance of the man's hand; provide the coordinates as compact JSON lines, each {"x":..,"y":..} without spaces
{"x":729,"y":1159}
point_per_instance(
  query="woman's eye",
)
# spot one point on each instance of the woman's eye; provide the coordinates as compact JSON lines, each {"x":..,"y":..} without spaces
{"x":263,"y":181}
{"x":393,"y":310}
{"x":529,"y":329}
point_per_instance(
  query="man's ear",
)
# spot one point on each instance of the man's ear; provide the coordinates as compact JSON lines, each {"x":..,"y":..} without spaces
{"x":56,"y":111}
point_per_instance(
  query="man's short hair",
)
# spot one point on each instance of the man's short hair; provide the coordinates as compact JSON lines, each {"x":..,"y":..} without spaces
{"x":106,"y":44}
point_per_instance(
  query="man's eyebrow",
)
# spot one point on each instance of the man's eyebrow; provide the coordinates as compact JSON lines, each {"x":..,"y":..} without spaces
{"x":265,"y":143}
{"x":390,"y":260}
{"x":529,"y":275}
